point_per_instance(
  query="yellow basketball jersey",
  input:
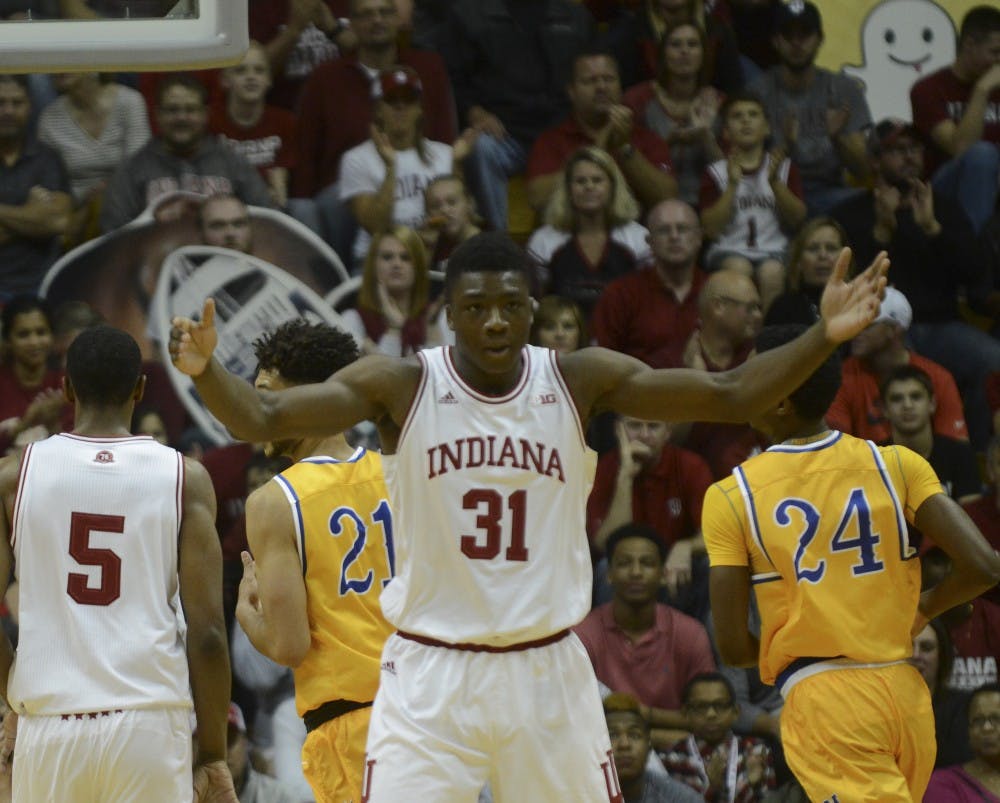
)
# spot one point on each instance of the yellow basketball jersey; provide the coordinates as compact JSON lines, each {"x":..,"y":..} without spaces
{"x":822,"y":528}
{"x":344,"y":531}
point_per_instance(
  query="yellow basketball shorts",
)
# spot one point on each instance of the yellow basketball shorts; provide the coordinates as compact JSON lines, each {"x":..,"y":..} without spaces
{"x":333,"y":757}
{"x":858,"y":734}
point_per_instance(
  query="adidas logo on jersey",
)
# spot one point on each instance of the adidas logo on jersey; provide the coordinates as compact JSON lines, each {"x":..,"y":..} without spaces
{"x":389,"y":666}
{"x":448,"y":398}
{"x":104,"y":456}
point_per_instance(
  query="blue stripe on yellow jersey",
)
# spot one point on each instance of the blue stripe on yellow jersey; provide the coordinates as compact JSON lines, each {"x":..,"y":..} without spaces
{"x":822,"y":529}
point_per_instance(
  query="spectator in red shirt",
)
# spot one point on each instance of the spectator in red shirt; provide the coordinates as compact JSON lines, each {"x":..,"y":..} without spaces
{"x":264,"y":135}
{"x":651,"y":312}
{"x":650,"y":481}
{"x":985,"y":511}
{"x":337,"y":107}
{"x":880,"y":348}
{"x":957,"y":109}
{"x":730,"y":312}
{"x":638,"y":645}
{"x":597,"y":117}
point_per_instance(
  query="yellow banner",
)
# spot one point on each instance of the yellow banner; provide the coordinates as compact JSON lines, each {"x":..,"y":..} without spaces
{"x":889,"y":45}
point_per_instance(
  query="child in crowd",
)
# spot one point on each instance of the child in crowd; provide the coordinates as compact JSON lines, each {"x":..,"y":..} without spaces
{"x":751,"y":199}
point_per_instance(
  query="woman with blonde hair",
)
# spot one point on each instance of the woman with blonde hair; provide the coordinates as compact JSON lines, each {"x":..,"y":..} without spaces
{"x":394,"y":313}
{"x":811,"y":257}
{"x":591,"y":235}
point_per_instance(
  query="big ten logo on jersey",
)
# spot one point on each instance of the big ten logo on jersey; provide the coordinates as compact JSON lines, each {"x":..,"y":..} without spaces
{"x":370,"y":531}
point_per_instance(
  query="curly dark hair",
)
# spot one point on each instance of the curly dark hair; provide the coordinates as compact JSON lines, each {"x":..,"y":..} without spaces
{"x":305,"y":352}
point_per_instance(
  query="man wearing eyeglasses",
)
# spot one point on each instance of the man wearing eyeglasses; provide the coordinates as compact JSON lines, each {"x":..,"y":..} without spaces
{"x":651,"y":312}
{"x":730,"y":313}
{"x":184,"y":158}
{"x":713,"y":760}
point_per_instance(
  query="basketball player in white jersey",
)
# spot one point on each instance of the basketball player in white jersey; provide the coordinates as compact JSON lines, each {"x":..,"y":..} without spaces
{"x":112,"y":541}
{"x":488,"y":475}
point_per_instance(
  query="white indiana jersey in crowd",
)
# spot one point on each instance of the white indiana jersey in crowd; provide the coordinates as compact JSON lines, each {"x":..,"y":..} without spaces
{"x":755,"y":229}
{"x":95,"y":529}
{"x":489,"y":495}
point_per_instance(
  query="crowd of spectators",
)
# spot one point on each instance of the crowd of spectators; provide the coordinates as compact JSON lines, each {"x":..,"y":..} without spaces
{"x":691,"y":175}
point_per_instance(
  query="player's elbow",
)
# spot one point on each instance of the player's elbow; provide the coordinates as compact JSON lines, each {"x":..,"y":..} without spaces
{"x":208,"y":642}
{"x":291,"y":650}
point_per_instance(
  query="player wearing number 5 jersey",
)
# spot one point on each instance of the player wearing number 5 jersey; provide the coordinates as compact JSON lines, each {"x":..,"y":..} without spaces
{"x":111,"y":540}
{"x":816,"y":526}
{"x":322,"y":540}
{"x":488,"y":476}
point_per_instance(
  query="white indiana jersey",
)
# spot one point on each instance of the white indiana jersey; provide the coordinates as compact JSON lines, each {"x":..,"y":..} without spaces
{"x":95,"y":531}
{"x":754,"y":230}
{"x":489,"y":496}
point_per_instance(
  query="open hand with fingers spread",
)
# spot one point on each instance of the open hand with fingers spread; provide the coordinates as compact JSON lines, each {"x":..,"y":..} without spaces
{"x":847,"y":307}
{"x":192,"y":342}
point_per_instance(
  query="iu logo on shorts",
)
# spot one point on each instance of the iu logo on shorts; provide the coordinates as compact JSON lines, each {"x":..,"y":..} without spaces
{"x":366,"y":779}
{"x":611,"y":779}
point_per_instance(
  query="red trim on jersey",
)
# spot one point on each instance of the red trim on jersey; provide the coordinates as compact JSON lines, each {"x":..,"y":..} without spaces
{"x":21,"y":472}
{"x":179,"y":500}
{"x":522,"y":381}
{"x":470,"y":647}
{"x":411,"y":409}
{"x":554,"y":359}
{"x":105,"y":438}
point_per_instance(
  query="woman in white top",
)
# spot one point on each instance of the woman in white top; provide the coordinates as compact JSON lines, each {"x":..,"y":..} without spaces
{"x":383,"y":178}
{"x":394,"y":313}
{"x":95,"y":124}
{"x":591,"y":235}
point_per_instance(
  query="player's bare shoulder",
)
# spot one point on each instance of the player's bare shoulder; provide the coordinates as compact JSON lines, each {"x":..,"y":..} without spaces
{"x":390,"y":382}
{"x":198,"y":489}
{"x":10,"y":471}
{"x":593,"y":373}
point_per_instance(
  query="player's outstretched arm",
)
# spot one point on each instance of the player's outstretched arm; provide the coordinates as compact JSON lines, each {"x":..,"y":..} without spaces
{"x":200,"y":577}
{"x":975,"y":564}
{"x":272,"y":606}
{"x":611,"y":381}
{"x":356,"y":393}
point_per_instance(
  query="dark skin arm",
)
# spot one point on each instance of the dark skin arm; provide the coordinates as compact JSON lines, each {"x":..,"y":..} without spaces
{"x":729,"y":591}
{"x":975,"y":564}
{"x":199,"y":570}
{"x":380,"y":388}
{"x":602,"y":380}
